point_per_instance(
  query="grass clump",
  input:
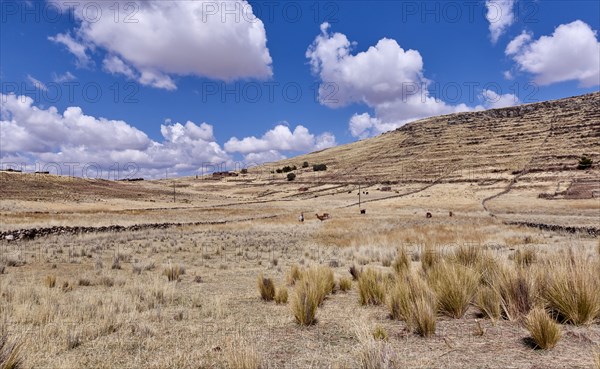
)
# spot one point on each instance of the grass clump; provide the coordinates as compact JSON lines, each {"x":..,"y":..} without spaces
{"x":525,"y":257}
{"x":305,"y":302}
{"x":429,"y":258}
{"x":174,"y":272}
{"x":50,"y":281}
{"x":311,"y":290}
{"x":354,"y":272}
{"x":488,"y":301}
{"x":10,"y":353}
{"x":345,"y":284}
{"x":402,"y":262}
{"x":281,"y":297}
{"x":468,"y":255}
{"x":455,"y":286}
{"x":544,"y":331}
{"x":379,"y":333}
{"x":412,"y":301}
{"x":516,"y":289}
{"x":371,"y":288}
{"x":266,"y":288}
{"x":294,"y":274}
{"x":240,"y":354}
{"x":573,"y":293}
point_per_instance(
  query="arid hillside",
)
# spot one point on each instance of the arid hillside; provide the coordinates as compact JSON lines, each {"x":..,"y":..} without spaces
{"x":541,"y":137}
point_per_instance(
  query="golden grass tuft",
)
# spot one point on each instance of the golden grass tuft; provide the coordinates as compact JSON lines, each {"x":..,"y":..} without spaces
{"x":488,"y":301}
{"x":174,"y":272}
{"x":241,"y":354}
{"x":371,"y":288}
{"x":10,"y":353}
{"x":573,"y":292}
{"x":545,"y":332}
{"x":50,"y":281}
{"x":525,"y":257}
{"x":322,"y":278}
{"x":455,"y":286}
{"x":467,"y":255}
{"x":281,"y":297}
{"x":412,"y":301}
{"x":311,"y":290}
{"x":379,"y":333}
{"x":294,"y":274}
{"x":516,"y":288}
{"x":402,"y":262}
{"x":345,"y":284}
{"x":266,"y":288}
{"x":429,"y":258}
{"x":305,"y":302}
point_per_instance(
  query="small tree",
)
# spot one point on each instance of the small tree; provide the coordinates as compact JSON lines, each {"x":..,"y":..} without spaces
{"x":279,"y":171}
{"x":286,"y":169}
{"x":244,"y":171}
{"x":585,"y":163}
{"x":291,"y":176}
{"x":319,"y":167}
{"x":305,"y":164}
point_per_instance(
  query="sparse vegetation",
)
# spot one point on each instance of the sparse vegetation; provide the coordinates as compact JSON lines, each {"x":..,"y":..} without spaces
{"x":455,"y":286}
{"x":281,"y":297}
{"x":412,"y":301}
{"x":544,"y":331}
{"x":345,"y":284}
{"x":10,"y":353}
{"x":266,"y":288}
{"x":370,"y":287}
{"x":241,"y":354}
{"x":402,"y":262}
{"x":379,"y":333}
{"x":525,"y":257}
{"x":584,"y":163}
{"x":305,"y":302}
{"x":174,"y":272}
{"x":50,"y":281}
{"x":319,"y":167}
{"x":573,"y":292}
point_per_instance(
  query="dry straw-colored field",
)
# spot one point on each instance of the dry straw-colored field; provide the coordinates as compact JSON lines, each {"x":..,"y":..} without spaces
{"x":240,"y":283}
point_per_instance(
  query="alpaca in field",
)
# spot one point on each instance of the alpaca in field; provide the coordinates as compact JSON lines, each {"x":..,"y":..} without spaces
{"x":322,"y":217}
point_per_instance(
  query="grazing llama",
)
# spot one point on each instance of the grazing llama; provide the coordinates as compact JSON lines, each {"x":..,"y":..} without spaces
{"x":322,"y":217}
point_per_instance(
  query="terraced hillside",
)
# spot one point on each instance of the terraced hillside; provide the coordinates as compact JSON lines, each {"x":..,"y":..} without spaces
{"x":500,"y":143}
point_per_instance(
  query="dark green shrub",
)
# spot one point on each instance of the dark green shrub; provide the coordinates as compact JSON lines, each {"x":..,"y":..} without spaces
{"x":584,"y":163}
{"x":305,"y":164}
{"x":319,"y":167}
{"x":291,"y":176}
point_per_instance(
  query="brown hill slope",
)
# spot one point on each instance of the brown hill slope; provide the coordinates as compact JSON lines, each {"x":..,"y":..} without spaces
{"x":541,"y":137}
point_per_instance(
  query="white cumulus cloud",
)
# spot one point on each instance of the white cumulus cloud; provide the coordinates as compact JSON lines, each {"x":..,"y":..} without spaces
{"x":152,"y":41}
{"x":47,"y":135}
{"x":500,"y":15}
{"x":493,"y":100}
{"x":571,"y":53}
{"x":278,"y":139}
{"x":385,"y":77}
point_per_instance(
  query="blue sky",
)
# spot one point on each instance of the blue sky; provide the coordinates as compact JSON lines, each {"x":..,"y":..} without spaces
{"x":118,"y":82}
